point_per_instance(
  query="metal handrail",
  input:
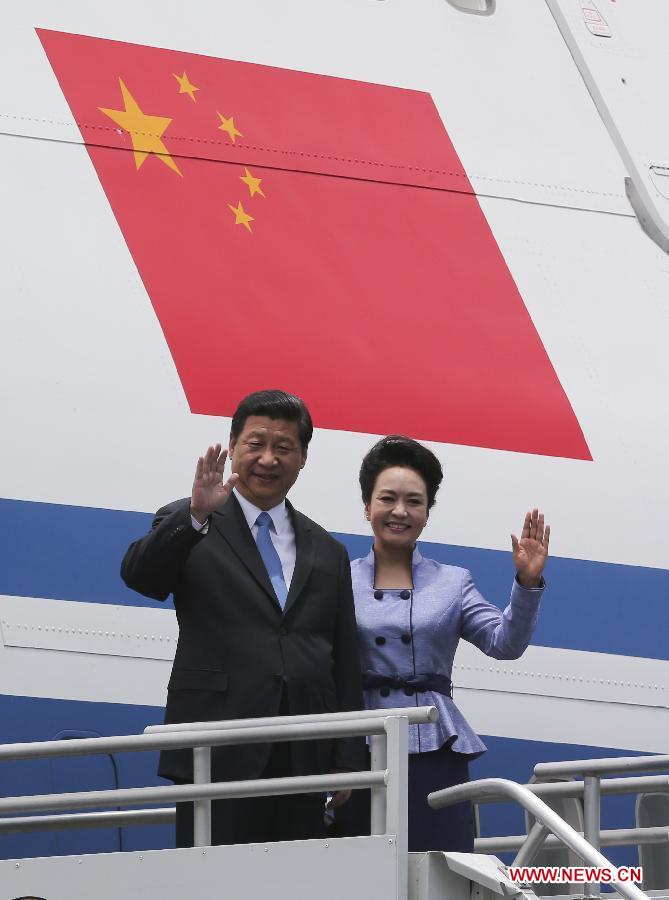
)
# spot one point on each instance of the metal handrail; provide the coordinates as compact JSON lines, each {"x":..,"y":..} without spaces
{"x":499,"y":787}
{"x":111,"y":819}
{"x":209,"y":738}
{"x":603,"y":766}
{"x":651,"y":784}
{"x":538,"y":837}
{"x":591,"y":771}
{"x":387,"y":779}
{"x":417,"y":715}
{"x":614,"y":837}
{"x":295,"y":784}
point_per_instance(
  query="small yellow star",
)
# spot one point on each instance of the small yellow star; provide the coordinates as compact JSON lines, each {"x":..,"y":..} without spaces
{"x":228,"y":125}
{"x":185,"y":87}
{"x":145,"y":131}
{"x":241,"y":217}
{"x":252,"y":182}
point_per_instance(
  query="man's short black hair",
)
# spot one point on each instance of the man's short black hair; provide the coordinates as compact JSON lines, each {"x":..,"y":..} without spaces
{"x":275,"y":405}
{"x":399,"y":450}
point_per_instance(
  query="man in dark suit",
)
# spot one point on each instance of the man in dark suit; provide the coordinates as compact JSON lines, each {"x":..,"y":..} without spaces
{"x":266,"y":618}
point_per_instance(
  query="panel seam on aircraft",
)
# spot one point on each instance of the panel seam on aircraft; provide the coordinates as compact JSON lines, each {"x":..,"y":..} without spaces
{"x":306,"y":154}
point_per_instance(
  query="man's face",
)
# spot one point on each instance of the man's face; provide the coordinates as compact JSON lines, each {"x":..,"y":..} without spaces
{"x":267,"y":455}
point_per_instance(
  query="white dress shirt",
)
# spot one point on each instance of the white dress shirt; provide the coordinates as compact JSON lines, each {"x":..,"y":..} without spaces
{"x":281,"y":532}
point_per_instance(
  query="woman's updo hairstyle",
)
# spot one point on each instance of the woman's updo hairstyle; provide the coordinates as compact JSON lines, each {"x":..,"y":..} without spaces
{"x":399,"y":450}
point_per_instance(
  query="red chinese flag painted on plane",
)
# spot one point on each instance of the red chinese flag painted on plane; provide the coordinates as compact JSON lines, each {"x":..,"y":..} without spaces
{"x":316,"y":234}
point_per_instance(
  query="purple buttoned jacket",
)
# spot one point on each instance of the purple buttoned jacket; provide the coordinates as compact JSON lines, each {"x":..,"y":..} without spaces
{"x":418,"y":633}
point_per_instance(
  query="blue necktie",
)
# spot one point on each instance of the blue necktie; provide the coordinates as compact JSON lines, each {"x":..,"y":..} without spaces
{"x":270,"y":557}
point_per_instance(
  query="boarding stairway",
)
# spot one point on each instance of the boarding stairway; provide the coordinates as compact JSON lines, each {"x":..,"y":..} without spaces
{"x":377,"y":867}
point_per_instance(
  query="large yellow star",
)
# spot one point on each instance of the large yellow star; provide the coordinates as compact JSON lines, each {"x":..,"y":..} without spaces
{"x":145,"y":131}
{"x":228,"y":125}
{"x":241,"y":217}
{"x":252,"y":182}
{"x":185,"y":87}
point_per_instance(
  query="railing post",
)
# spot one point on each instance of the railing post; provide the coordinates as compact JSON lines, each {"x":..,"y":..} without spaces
{"x":202,"y":808}
{"x":591,"y":821}
{"x":397,"y":795}
{"x":533,"y":843}
{"x":378,"y":762}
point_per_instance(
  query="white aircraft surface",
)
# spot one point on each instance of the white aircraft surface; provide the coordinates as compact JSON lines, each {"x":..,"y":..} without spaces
{"x":448,"y":218}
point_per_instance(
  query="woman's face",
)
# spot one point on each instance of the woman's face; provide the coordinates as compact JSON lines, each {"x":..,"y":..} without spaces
{"x":398,"y":508}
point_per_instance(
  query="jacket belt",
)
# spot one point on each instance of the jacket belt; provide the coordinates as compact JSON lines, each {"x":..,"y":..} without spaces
{"x":429,"y":681}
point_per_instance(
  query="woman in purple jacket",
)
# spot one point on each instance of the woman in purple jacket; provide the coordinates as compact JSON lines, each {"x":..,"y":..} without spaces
{"x":411,"y":613}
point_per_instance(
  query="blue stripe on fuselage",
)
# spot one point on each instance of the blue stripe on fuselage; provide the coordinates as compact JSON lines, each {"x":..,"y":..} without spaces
{"x":74,"y":553}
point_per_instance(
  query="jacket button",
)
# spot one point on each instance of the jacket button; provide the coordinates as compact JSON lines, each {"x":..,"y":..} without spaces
{"x":406,"y":638}
{"x":405,"y":595}
{"x":409,"y":691}
{"x":384,"y":691}
{"x":379,"y":640}
{"x":378,"y":595}
{"x":283,"y":632}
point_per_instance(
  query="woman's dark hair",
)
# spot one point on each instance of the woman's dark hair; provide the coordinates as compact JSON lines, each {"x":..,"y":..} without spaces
{"x":276,"y":405}
{"x":399,"y":450}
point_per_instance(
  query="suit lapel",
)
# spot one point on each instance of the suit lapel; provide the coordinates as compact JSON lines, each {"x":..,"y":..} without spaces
{"x":304,"y":554}
{"x":231,"y":524}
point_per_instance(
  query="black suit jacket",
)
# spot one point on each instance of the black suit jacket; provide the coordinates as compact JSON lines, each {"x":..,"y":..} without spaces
{"x":238,"y":652}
